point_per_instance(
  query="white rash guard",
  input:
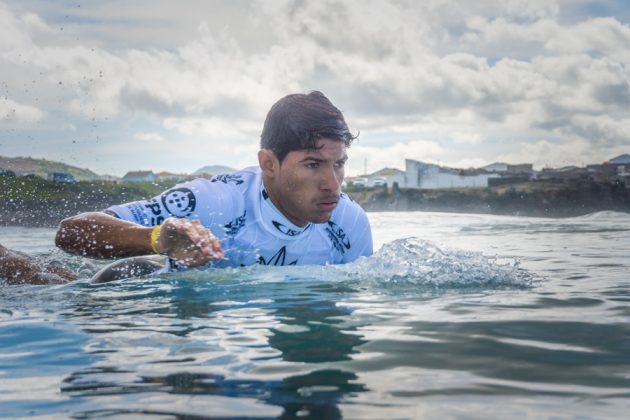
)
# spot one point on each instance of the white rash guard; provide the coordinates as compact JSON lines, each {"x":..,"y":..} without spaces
{"x":239,"y":212}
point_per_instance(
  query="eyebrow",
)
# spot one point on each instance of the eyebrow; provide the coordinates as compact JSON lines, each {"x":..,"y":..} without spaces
{"x":314,"y":159}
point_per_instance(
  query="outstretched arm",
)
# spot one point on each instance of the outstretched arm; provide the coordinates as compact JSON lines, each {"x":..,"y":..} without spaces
{"x":19,"y":268}
{"x":99,"y":235}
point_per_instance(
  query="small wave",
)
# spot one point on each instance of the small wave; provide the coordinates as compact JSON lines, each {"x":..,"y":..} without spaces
{"x":605,"y":215}
{"x":599,"y":222}
{"x":549,"y":228}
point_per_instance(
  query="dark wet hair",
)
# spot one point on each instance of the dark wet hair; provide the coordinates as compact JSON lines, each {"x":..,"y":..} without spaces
{"x":297,"y":121}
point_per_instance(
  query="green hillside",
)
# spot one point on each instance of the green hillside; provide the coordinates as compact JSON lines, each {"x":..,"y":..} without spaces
{"x":26,"y":201}
{"x":42,"y":167}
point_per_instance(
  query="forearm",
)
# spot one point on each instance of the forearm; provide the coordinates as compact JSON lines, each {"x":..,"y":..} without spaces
{"x":15,"y":268}
{"x":11,"y":265}
{"x":99,"y":235}
{"x":18,"y":268}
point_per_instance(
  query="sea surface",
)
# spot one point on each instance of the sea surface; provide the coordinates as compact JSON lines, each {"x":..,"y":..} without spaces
{"x":455,"y":316}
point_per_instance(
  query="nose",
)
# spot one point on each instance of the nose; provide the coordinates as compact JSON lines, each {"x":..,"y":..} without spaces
{"x":331,"y":180}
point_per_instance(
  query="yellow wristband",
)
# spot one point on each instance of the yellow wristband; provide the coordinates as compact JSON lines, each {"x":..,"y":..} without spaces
{"x":155,"y":232}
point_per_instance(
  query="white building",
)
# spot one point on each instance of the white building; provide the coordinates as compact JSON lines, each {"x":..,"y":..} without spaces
{"x":428,"y":176}
{"x":520,"y":168}
{"x":170,"y":176}
{"x":388,"y":176}
{"x":621,"y":164}
{"x":496,"y":167}
{"x":139,"y":176}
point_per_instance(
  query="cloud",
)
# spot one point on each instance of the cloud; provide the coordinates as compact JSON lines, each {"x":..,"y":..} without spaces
{"x":455,"y":74}
{"x":12,"y":113}
{"x":12,"y":33}
{"x":602,"y":130}
{"x":149,"y":137}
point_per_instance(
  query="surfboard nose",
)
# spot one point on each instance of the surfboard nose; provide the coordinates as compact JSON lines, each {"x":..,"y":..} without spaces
{"x":131,"y":267}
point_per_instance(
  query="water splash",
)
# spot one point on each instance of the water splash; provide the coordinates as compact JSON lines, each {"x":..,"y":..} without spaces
{"x":404,"y":262}
{"x":414,"y":261}
{"x":411,"y":261}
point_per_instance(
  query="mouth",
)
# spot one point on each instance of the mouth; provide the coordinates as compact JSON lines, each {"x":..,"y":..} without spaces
{"x":328,"y":204}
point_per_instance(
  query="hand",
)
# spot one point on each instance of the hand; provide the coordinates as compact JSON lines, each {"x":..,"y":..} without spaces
{"x":188,"y":242}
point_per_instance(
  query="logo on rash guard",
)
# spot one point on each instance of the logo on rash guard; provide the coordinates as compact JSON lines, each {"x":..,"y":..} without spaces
{"x":227,"y":178}
{"x":156,"y":212}
{"x":179,"y":202}
{"x":277,"y":259}
{"x":287,"y":230}
{"x":235,"y":225}
{"x":338,"y":237}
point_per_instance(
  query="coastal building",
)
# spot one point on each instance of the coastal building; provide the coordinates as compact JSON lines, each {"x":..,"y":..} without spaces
{"x":621,"y":165}
{"x":429,"y":176}
{"x":170,"y":176}
{"x":386,"y":177}
{"x":620,"y":160}
{"x":61,"y":178}
{"x":616,"y":169}
{"x":521,"y":168}
{"x":496,"y":167}
{"x":110,"y":178}
{"x":500,"y":167}
{"x":139,"y":176}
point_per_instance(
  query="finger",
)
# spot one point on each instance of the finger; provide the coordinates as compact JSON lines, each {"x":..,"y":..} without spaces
{"x":208,"y":251}
{"x":195,"y":259}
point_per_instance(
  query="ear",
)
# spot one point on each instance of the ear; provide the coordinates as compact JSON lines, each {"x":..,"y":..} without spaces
{"x":268,"y":162}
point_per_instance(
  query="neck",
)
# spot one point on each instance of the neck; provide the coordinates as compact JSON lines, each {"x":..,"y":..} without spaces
{"x":276,"y":204}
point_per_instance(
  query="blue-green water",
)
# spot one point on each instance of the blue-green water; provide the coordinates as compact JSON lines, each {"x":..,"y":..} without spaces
{"x":457,"y":316}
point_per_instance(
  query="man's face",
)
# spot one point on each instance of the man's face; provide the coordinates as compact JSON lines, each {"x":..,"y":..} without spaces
{"x":307,"y":184}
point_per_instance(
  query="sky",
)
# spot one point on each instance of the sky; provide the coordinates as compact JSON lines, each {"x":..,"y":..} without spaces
{"x":173,"y":86}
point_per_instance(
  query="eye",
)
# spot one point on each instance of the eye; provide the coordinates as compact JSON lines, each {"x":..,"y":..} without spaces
{"x":340,"y":164}
{"x":312,"y":165}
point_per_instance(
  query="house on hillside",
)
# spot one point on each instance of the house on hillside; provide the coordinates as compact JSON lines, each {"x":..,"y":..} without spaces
{"x":496,"y":167}
{"x":620,"y":160}
{"x":506,"y":168}
{"x":170,"y":176}
{"x":110,"y":178}
{"x":61,"y":178}
{"x":386,"y":177}
{"x":521,"y":168}
{"x":615,"y":169}
{"x":139,"y":176}
{"x":621,"y":165}
{"x":429,"y":176}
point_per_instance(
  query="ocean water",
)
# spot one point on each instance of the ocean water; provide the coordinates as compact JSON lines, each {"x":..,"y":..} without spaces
{"x":455,"y":316}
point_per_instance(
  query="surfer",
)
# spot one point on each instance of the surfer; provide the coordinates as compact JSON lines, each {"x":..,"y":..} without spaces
{"x":289,"y":210}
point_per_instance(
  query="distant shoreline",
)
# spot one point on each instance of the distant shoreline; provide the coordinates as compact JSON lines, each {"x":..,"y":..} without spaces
{"x":525,"y":199}
{"x":33,"y":202}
